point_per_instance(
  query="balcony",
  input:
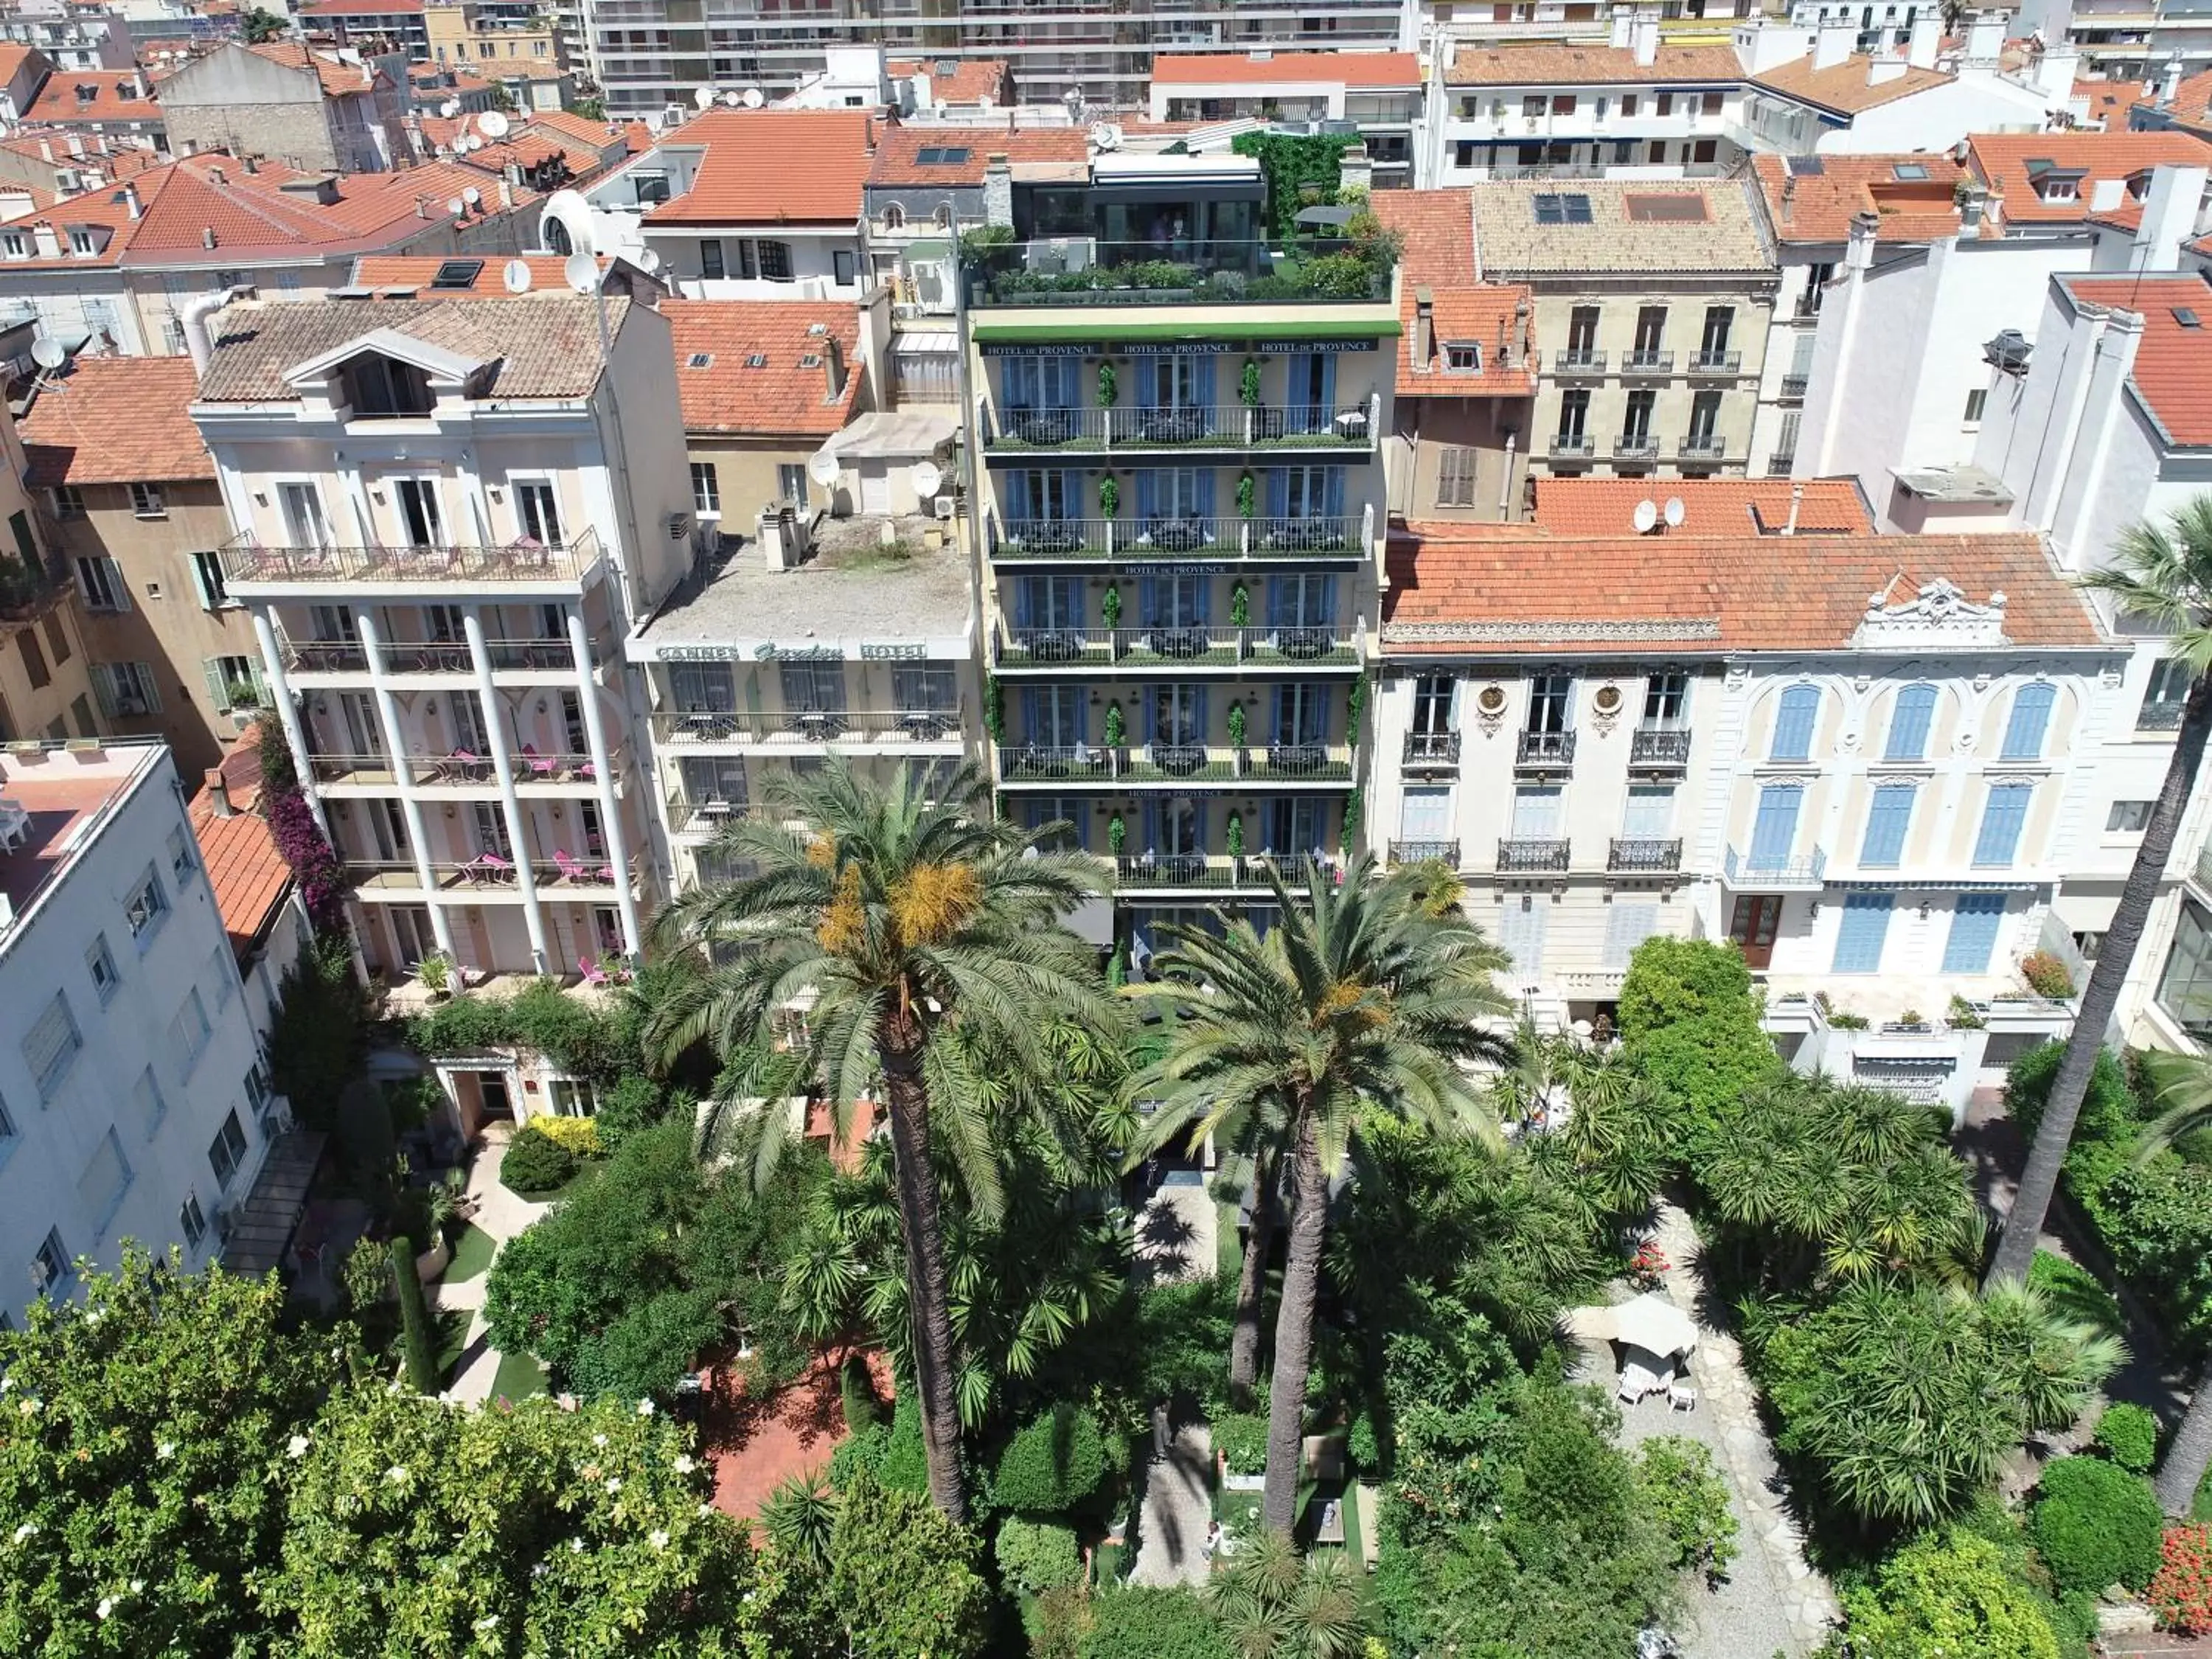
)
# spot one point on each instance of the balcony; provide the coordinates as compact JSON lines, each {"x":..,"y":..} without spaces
{"x":1544,"y":751}
{"x":1057,"y":540}
{"x":486,"y":876}
{"x":706,"y":816}
{"x":1025,"y":432}
{"x":1659,"y":749}
{"x":310,"y":657}
{"x":1808,"y":308}
{"x":459,"y":770}
{"x":1781,"y":464}
{"x":2159,"y":717}
{"x":327,"y":657}
{"x":1716,"y":362}
{"x":1770,"y":873}
{"x":1572,"y":446}
{"x":1644,"y":857}
{"x":1431,"y":751}
{"x":1641,"y":447}
{"x":1198,"y":645}
{"x":1641,"y":362}
{"x":1081,"y":272}
{"x":806,"y":728}
{"x":247,"y":563}
{"x":1532,"y":857}
{"x":1578,"y":362}
{"x":1142,"y":871}
{"x":1708,"y":446}
{"x":532,"y":656}
{"x":1793,"y":387}
{"x":1176,"y":764}
{"x":1425,"y":851}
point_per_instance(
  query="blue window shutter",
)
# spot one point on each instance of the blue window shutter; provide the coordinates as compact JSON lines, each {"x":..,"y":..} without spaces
{"x":1775,"y":831}
{"x":1793,"y":723}
{"x":1278,"y":601}
{"x":1865,"y":926}
{"x":1059,"y":383}
{"x":1278,"y":492}
{"x":1070,"y":496}
{"x":1286,"y":715}
{"x":1025,"y":594}
{"x":1148,"y":491}
{"x":1974,"y":926}
{"x":1148,"y":380}
{"x":1332,"y":492}
{"x":2003,"y":818}
{"x":2031,"y":713}
{"x":1205,"y":612}
{"x":1908,"y":722}
{"x":1198,"y":717}
{"x":1017,"y":495}
{"x":1328,"y":599}
{"x":1030,"y":723}
{"x":1327,"y":378}
{"x":1148,"y":601}
{"x":1206,"y":492}
{"x":1204,"y":383}
{"x":1017,"y":378}
{"x":1887,"y":819}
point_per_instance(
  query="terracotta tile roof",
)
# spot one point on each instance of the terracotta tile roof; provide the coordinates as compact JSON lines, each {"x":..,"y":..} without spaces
{"x":531,"y":142}
{"x":416,"y":270}
{"x":1844,"y":87}
{"x":1818,"y":207}
{"x":101,"y":209}
{"x":2107,"y":100}
{"x":1635,"y":225}
{"x":1547,"y":594}
{"x":1594,"y":66}
{"x":2008,"y":163}
{"x":59,"y":103}
{"x":637,"y":136}
{"x":1712,"y":507}
{"x":772,"y":167}
{"x":117,"y":420}
{"x":780,"y":398}
{"x":12,"y":60}
{"x":363,"y":8}
{"x":2172,"y":371}
{"x":568,"y":123}
{"x":898,"y":152}
{"x":1350,"y":69}
{"x":50,"y":146}
{"x":971,"y":78}
{"x":1437,"y":227}
{"x":249,"y":877}
{"x":337,"y":77}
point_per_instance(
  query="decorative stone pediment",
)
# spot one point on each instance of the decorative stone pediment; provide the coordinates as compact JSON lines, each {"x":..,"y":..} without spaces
{"x":1939,"y":617}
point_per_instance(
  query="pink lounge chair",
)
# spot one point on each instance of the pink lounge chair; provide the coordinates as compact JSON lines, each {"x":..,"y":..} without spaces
{"x":540,"y":766}
{"x":570,"y":870}
{"x":593,"y":973}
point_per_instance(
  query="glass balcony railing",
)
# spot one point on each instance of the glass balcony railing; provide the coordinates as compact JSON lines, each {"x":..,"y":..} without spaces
{"x":1185,"y":538}
{"x":1232,"y":426}
{"x":1082,"y":271}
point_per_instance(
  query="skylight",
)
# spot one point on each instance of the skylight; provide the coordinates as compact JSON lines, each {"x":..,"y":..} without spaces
{"x":1556,"y":210}
{"x":1910,"y":171}
{"x":458,"y":273}
{"x":758,"y":359}
{"x":2186,"y":317}
{"x":943,"y":156}
{"x":700,"y":359}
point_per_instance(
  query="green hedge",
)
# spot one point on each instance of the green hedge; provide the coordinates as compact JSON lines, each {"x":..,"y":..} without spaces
{"x":599,"y":1043}
{"x":1139,"y":1622}
{"x":2128,"y":1436}
{"x":2095,"y":1525}
{"x":536,"y":1164}
{"x":1052,"y":1462}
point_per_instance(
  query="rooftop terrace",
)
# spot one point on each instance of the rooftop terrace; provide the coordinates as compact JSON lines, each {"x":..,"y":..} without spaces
{"x":66,"y":793}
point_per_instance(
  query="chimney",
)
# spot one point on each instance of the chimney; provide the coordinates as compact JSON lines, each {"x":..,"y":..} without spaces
{"x":1884,"y":68}
{"x":43,"y":239}
{"x":252,"y":163}
{"x":1623,"y":21}
{"x":217,"y":175}
{"x":1985,"y":39}
{"x":207,"y":237}
{"x":1796,"y":501}
{"x":1927,"y":36}
{"x":132,"y":204}
{"x":1833,"y":43}
{"x":1788,"y":198}
{"x":46,"y":151}
{"x":1973,"y":211}
{"x":833,"y":369}
{"x":218,"y":793}
{"x":998,"y":190}
{"x":1644,"y":38}
{"x":1425,"y":329}
{"x":1858,"y":250}
{"x":2169,"y":217}
{"x":2169,"y":86}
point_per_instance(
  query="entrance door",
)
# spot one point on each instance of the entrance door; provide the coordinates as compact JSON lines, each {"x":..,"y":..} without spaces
{"x":418,"y":512}
{"x":491,"y":1091}
{"x":1758,"y":918}
{"x":412,"y":933}
{"x":876,"y":491}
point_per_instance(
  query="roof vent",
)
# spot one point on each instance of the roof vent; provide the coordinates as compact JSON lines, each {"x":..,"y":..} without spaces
{"x":2186,"y":317}
{"x":758,"y":359}
{"x":2007,"y":353}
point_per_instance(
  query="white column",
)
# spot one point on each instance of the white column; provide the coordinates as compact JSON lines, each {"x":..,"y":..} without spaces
{"x":2114,"y":362}
{"x":395,"y":748}
{"x":280,"y":688}
{"x":502,"y":765}
{"x":603,"y":772}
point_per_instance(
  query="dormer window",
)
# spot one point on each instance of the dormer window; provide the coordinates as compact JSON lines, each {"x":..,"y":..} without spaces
{"x":381,"y":388}
{"x":84,"y":242}
{"x":2138,"y":186}
{"x":15,"y":244}
{"x":1462,"y":357}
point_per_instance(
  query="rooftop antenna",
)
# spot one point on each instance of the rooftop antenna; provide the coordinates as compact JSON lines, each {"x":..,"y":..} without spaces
{"x":516,"y":276}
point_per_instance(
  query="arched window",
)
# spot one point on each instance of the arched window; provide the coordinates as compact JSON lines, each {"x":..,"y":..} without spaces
{"x":2031,"y":716}
{"x":1794,"y":722}
{"x":943,"y":217}
{"x":1908,"y":722}
{"x":894,"y":217}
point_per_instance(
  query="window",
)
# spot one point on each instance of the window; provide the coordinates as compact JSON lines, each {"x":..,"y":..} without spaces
{"x":58,"y":639}
{"x":537,"y":508}
{"x":105,"y":978}
{"x":192,"y":1222}
{"x":776,"y":262}
{"x":1864,"y":928}
{"x":2184,"y":987}
{"x":710,"y":260}
{"x":1456,"y":469}
{"x":1650,"y":812}
{"x":1574,"y":417}
{"x":1974,"y":923}
{"x":925,"y":687}
{"x":2031,"y":713}
{"x":147,"y":1103}
{"x":189,"y":1032}
{"x":2128,"y":817}
{"x":706,"y":491}
{"x":1628,"y":103}
{"x":1908,"y":724}
{"x":125,"y":688}
{"x":1976,"y":400}
{"x":1887,"y":819}
{"x":572,"y":1098}
{"x":1627,"y":925}
{"x":51,"y":1045}
{"x":103,"y":1181}
{"x":1663,"y":103}
{"x":791,"y":485}
{"x":207,"y":578}
{"x":1432,"y":704}
{"x":233,"y":682}
{"x":69,"y":501}
{"x":146,"y":501}
{"x":1550,"y":697}
{"x":1794,"y":720}
{"x":34,"y":660}
{"x":1461,"y":358}
{"x":1666,"y":696}
{"x":844,"y":268}
{"x":146,"y":908}
{"x":2003,"y":817}
{"x":1774,"y":830}
{"x":50,"y":1266}
{"x":226,"y":1150}
{"x":2170,"y":680}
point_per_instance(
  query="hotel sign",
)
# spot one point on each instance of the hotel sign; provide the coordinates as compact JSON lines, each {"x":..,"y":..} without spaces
{"x":1169,"y":348}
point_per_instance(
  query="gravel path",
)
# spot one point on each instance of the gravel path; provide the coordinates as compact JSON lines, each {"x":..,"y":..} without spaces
{"x":1178,"y":1509}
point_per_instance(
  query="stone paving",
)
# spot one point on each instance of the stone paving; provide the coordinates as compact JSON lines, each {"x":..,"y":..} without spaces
{"x":1178,"y":1506}
{"x":503,"y":1213}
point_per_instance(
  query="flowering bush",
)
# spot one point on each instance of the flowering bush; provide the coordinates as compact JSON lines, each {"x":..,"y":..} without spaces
{"x":2181,"y":1591}
{"x":299,"y":843}
{"x":2046,"y":975}
{"x":580,"y":1135}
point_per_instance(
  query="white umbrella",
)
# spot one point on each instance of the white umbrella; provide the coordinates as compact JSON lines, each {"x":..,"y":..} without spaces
{"x":1654,"y":1323}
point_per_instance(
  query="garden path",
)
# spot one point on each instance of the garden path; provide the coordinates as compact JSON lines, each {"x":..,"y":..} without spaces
{"x":503,"y":1213}
{"x":1178,"y":1507}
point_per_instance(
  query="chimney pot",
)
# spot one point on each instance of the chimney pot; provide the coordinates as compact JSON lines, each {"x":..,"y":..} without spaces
{"x":1796,"y":501}
{"x":218,"y":793}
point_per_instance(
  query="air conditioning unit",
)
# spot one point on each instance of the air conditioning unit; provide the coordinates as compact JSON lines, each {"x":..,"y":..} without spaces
{"x":276,"y":1117}
{"x":679,"y":525}
{"x":944,"y":506}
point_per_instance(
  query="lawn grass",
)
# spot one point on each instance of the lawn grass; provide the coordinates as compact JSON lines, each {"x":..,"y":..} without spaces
{"x":471,"y":1255}
{"x":450,"y":1327}
{"x":519,"y":1377}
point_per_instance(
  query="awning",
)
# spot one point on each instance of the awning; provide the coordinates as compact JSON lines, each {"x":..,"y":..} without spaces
{"x":262,"y":1225}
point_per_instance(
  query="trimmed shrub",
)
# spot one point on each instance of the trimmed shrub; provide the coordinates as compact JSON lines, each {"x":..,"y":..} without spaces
{"x":536,"y":1163}
{"x":2095,"y":1524}
{"x":1038,"y":1555}
{"x":1053,"y":1463}
{"x":859,"y":1454}
{"x":856,"y":1392}
{"x":1685,"y":1493}
{"x":1242,"y":1437}
{"x":634,"y":1103}
{"x":1140,"y":1622}
{"x":2108,"y":1108}
{"x":905,"y":1466}
{"x":580,"y":1135}
{"x":2128,"y":1436}
{"x":414,"y":1320}
{"x":1947,"y":1596}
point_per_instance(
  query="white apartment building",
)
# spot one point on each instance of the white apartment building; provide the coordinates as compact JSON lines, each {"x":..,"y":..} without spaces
{"x":1378,"y":94}
{"x":448,"y":515}
{"x":1869,"y":760}
{"x":133,"y":1104}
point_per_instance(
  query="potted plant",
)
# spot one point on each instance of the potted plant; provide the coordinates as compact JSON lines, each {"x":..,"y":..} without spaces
{"x":1248,"y":496}
{"x":1248,"y":384}
{"x":1108,"y":389}
{"x":1116,"y":731}
{"x":1109,"y":496}
{"x":1109,"y":605}
{"x":1236,"y":724}
{"x":437,"y":972}
{"x":1240,"y":606}
{"x":1234,"y":838}
{"x":1117,"y":830}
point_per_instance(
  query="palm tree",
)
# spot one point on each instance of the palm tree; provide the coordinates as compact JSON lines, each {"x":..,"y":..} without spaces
{"x":2164,"y":576}
{"x":1359,"y":997}
{"x":903,"y":916}
{"x":1273,"y":1604}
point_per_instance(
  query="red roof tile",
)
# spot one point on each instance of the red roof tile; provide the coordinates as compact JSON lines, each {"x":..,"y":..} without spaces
{"x":1845,"y":87}
{"x":899,"y":149}
{"x":774,"y":166}
{"x":117,"y":420}
{"x":1819,"y":207}
{"x":2008,"y":163}
{"x":1568,"y":66}
{"x":416,"y":270}
{"x":1546,"y":594}
{"x":1712,"y":507}
{"x":1350,"y":68}
{"x":2172,"y":371}
{"x":1437,"y":227}
{"x":249,"y":877}
{"x":780,"y":398}
{"x":337,"y":77}
{"x":59,"y":100}
{"x":971,"y":78}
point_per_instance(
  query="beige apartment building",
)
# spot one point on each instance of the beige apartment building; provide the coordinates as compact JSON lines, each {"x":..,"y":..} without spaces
{"x":45,"y":672}
{"x":495,"y":37}
{"x":1652,"y":303}
{"x":132,"y":496}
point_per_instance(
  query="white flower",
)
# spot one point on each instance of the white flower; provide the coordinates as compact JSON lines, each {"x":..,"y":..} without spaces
{"x":490,"y":1621}
{"x":94,"y":1315}
{"x":298,"y":1445}
{"x":614,"y":1487}
{"x":576,"y":1545}
{"x":29,"y":1408}
{"x":392,"y":1387}
{"x":684,"y":1463}
{"x":538,"y":1570}
{"x":645,"y":1408}
{"x":396,"y":1474}
{"x":706,"y":1509}
{"x":137,"y":1585}
{"x":599,"y":1440}
{"x":165,"y":1449}
{"x":6,"y":1383}
{"x":29,"y":1528}
{"x":106,"y":1606}
{"x":657,"y":1538}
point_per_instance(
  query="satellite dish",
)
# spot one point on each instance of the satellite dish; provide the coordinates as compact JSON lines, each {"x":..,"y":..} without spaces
{"x":492,"y":124}
{"x":581,"y":272}
{"x":823,"y":467}
{"x":754,"y":98}
{"x":46,"y":352}
{"x":927,"y":479}
{"x":730,"y":100}
{"x":517,"y":276}
{"x":472,"y":196}
{"x":469,"y":143}
{"x":650,"y":259}
{"x":457,"y":207}
{"x":1646,"y":516}
{"x":984,"y":102}
{"x":702,"y":96}
{"x":450,"y":108}
{"x":1675,"y":513}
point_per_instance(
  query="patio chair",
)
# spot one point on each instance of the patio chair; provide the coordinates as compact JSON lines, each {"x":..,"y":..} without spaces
{"x":540,"y":766}
{"x":1682,"y":1397}
{"x":569,"y":868}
